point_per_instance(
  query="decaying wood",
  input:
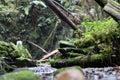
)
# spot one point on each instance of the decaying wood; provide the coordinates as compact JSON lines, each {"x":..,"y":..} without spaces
{"x":59,"y":13}
{"x":76,"y":19}
{"x":94,"y":60}
{"x":49,"y":55}
{"x":113,"y":9}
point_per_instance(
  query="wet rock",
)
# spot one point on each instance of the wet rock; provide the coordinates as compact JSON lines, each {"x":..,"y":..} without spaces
{"x":70,"y":74}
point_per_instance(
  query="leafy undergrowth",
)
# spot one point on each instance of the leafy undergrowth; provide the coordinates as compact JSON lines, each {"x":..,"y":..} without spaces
{"x":12,"y":56}
{"x":99,"y":43}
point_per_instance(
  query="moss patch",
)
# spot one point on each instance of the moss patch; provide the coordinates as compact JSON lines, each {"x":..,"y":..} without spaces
{"x":22,"y":75}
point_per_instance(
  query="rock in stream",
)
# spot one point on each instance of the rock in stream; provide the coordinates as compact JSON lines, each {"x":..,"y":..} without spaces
{"x":106,"y":73}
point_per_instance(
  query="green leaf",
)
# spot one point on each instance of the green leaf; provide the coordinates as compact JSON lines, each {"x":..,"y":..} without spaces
{"x":26,"y":9}
{"x":39,"y":2}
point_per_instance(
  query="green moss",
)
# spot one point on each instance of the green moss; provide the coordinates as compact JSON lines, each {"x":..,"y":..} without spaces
{"x":99,"y":44}
{"x":73,"y":54}
{"x":11,"y":53}
{"x":22,"y":75}
{"x":88,"y":40}
{"x":97,"y":57}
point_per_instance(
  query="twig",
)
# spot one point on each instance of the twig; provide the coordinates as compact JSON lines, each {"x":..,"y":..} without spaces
{"x":38,"y":46}
{"x":49,"y":55}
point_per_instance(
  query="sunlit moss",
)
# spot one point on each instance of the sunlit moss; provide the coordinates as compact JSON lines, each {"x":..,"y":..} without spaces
{"x":99,"y":44}
{"x":22,"y":75}
{"x":88,"y":40}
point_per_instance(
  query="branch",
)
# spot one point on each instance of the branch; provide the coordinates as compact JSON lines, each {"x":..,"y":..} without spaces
{"x":102,"y":3}
{"x":61,"y":15}
{"x":49,"y":55}
{"x":76,"y":19}
{"x":38,"y":46}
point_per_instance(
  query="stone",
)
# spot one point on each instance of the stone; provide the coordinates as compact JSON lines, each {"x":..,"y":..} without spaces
{"x":70,"y":74}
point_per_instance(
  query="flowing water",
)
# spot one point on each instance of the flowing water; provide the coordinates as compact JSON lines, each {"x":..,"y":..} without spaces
{"x":106,"y":73}
{"x":44,"y":70}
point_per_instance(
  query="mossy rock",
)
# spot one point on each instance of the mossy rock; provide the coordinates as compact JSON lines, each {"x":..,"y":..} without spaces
{"x":22,"y":75}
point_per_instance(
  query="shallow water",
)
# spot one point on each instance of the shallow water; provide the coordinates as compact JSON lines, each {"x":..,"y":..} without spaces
{"x":44,"y":70}
{"x":106,"y":73}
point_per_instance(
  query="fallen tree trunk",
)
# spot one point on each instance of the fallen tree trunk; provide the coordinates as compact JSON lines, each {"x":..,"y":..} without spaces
{"x":97,"y":49}
{"x":95,"y":60}
{"x":60,"y":14}
{"x":113,"y":9}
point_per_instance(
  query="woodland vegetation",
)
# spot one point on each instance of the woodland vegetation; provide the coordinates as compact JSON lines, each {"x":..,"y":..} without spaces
{"x":85,"y":33}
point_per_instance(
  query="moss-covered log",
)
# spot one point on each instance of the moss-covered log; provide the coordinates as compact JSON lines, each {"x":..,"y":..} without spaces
{"x":94,"y":60}
{"x":100,"y":47}
{"x":64,"y":51}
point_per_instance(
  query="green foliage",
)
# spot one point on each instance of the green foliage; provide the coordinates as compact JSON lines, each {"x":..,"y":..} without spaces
{"x":10,"y":49}
{"x":97,"y":32}
{"x":26,"y":20}
{"x":88,"y":40}
{"x":11,"y":53}
{"x":99,"y":43}
{"x":96,"y":26}
{"x":22,"y":75}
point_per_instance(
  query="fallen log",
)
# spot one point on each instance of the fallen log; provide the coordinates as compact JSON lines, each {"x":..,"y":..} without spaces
{"x":95,"y":60}
{"x":113,"y":9}
{"x":60,"y":14}
{"x":65,"y":51}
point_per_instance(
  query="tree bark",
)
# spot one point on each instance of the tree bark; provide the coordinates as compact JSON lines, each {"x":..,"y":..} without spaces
{"x":61,"y":15}
{"x":113,"y":9}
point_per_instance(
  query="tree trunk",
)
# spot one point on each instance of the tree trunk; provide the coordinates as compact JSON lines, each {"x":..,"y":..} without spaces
{"x":58,"y":12}
{"x":113,"y":9}
{"x":94,"y":60}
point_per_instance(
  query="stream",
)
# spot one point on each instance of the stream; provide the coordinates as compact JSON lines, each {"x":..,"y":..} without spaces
{"x":106,"y":73}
